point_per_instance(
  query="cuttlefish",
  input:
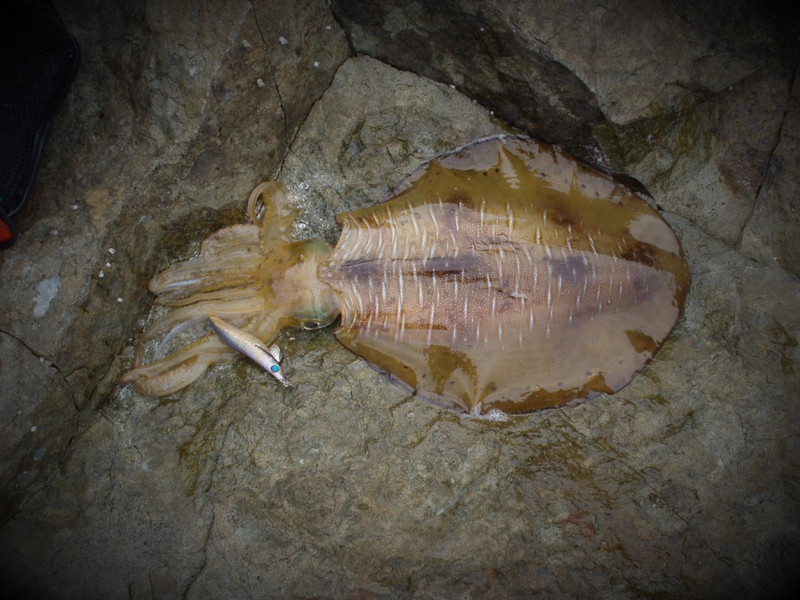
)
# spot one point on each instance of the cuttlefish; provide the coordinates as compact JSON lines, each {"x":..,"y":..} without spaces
{"x":502,"y":276}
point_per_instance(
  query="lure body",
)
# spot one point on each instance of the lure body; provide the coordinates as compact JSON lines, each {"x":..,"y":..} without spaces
{"x":267,"y":357}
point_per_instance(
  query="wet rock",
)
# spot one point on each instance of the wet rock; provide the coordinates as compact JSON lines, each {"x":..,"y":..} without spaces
{"x":475,"y":49}
{"x":567,"y":74}
{"x":771,"y":231}
{"x":166,"y":117}
{"x":711,"y":162}
{"x":345,"y":485}
{"x":332,"y":167}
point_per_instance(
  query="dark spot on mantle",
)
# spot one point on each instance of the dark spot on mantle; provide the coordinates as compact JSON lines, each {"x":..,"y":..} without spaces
{"x":460,"y":198}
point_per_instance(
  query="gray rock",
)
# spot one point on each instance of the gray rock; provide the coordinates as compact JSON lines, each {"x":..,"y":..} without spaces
{"x":567,"y":73}
{"x":166,"y":106}
{"x":346,"y":485}
{"x":771,"y":231}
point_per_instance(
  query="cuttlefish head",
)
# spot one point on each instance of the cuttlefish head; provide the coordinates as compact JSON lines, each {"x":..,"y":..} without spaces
{"x":307,"y":302}
{"x":291,"y":266}
{"x":248,"y":282}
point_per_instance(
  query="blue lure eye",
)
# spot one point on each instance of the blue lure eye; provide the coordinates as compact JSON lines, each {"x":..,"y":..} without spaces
{"x":274,"y":368}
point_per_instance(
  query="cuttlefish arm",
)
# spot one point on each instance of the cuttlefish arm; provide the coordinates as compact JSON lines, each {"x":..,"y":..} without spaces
{"x":279,"y":213}
{"x":254,"y":275}
{"x":250,"y":346}
{"x":174,"y":372}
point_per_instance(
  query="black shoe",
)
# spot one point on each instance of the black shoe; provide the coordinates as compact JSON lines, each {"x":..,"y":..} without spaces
{"x":38,"y":60}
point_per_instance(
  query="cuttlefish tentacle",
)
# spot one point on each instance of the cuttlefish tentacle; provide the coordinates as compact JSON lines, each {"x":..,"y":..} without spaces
{"x":186,"y":279}
{"x":168,"y":375}
{"x":197,"y":313}
{"x":280,"y":213}
{"x":233,"y":241}
{"x":215,"y":295}
{"x":229,"y":258}
{"x":254,"y":277}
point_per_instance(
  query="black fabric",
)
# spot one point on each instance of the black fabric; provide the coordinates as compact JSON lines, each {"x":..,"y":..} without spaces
{"x":38,"y":59}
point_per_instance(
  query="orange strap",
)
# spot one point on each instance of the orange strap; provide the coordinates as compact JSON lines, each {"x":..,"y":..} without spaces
{"x":8,"y":233}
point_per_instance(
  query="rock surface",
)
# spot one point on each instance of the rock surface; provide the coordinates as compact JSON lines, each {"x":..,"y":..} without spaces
{"x":681,"y":485}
